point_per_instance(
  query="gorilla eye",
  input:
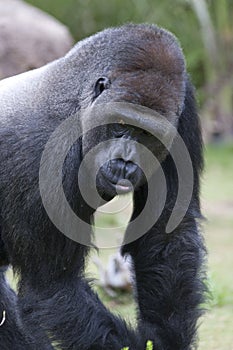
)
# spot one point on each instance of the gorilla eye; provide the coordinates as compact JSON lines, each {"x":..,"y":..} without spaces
{"x":101,"y":85}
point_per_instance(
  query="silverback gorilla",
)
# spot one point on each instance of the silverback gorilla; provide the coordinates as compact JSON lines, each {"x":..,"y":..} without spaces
{"x":136,"y":65}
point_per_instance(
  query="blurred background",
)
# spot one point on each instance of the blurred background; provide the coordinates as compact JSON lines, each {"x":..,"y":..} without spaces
{"x":30,"y":38}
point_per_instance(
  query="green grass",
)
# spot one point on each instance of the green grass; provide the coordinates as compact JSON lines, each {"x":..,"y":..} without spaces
{"x":149,"y":346}
{"x":218,"y":177}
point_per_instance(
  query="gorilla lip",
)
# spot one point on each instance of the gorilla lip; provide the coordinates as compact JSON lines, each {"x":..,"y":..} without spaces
{"x":123,"y":186}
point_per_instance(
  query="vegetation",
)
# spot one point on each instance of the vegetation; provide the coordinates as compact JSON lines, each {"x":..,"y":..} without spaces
{"x":149,"y":346}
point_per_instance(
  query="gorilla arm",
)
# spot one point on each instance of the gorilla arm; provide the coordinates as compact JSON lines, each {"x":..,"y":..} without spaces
{"x":12,"y":333}
{"x":170,"y":281}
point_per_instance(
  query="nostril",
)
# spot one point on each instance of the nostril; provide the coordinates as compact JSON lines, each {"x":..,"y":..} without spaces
{"x":117,"y":163}
{"x":130,"y":169}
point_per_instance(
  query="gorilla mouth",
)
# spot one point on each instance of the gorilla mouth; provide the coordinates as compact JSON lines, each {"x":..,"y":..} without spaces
{"x":119,"y":177}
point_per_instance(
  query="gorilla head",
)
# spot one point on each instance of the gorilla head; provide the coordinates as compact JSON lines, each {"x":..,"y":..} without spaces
{"x":143,"y":66}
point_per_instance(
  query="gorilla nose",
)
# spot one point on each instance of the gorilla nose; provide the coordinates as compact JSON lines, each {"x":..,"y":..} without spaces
{"x":122,"y":169}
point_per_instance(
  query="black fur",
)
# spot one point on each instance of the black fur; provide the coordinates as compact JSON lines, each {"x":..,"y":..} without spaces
{"x":140,"y":64}
{"x":12,"y":332}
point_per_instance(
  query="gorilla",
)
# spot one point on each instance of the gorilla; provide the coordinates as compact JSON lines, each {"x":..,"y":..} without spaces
{"x":124,"y":91}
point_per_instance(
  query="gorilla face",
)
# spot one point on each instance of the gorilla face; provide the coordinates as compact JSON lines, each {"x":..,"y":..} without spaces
{"x":122,"y":171}
{"x":120,"y":153}
{"x":145,"y":71}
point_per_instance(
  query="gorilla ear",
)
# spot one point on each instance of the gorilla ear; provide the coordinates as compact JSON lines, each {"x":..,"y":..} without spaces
{"x":102,"y":84}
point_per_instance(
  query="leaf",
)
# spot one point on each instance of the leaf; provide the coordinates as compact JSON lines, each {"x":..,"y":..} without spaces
{"x":149,"y":345}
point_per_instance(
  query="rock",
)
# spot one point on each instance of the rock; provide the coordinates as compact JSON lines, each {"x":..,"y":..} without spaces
{"x":116,"y":275}
{"x":29,"y":38}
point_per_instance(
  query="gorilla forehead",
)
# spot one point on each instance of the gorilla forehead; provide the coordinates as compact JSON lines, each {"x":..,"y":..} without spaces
{"x":144,"y":63}
{"x":133,"y":47}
